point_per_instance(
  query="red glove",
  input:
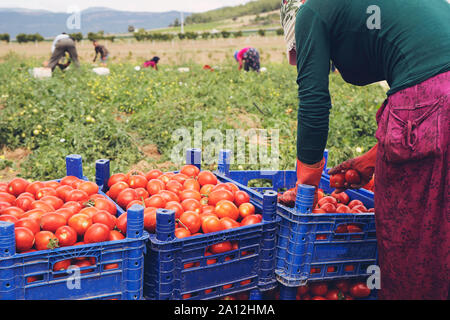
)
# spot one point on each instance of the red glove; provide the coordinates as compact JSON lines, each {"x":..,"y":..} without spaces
{"x":306,"y":174}
{"x":365,"y":165}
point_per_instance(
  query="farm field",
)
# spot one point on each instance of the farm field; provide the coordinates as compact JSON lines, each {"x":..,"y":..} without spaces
{"x":176,"y":52}
{"x":129,"y":116}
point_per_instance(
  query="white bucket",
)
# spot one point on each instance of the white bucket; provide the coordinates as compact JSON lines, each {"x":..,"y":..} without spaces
{"x":101,"y":71}
{"x":183,"y":69}
{"x":42,"y":73}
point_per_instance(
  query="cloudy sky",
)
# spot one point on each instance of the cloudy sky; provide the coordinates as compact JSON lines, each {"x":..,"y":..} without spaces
{"x":129,"y":5}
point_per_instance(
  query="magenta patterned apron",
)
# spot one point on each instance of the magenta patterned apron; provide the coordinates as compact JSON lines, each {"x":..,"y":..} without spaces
{"x":412,"y":191}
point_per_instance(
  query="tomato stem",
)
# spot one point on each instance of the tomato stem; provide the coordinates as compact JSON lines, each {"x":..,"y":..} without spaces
{"x":179,"y":221}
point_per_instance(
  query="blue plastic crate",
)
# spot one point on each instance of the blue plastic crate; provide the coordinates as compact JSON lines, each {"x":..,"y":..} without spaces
{"x":125,"y":281}
{"x":300,"y":257}
{"x":250,"y":267}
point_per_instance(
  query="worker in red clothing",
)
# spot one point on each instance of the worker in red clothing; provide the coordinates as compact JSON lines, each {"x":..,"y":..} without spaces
{"x":248,"y":58}
{"x":152,"y":63}
{"x":411,"y":51}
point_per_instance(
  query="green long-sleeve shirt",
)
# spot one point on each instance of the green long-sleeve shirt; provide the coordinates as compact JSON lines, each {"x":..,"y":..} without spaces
{"x":401,"y":41}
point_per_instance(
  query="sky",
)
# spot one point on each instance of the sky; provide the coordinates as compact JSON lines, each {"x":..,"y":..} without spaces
{"x":128,"y":5}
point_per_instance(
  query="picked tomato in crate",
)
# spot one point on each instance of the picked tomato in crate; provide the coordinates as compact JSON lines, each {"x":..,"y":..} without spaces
{"x":220,"y":242}
{"x":334,"y":240}
{"x":54,"y":227}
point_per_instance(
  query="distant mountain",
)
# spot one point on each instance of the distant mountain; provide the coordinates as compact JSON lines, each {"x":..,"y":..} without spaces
{"x":50,"y":24}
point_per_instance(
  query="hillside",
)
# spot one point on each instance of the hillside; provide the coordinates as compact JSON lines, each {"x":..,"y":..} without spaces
{"x":49,"y":24}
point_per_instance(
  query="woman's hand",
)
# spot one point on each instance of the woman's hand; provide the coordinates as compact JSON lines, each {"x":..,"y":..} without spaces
{"x":365,"y":165}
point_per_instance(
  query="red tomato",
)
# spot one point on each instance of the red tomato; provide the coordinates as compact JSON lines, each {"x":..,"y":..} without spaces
{"x":192,"y":205}
{"x":23,"y":202}
{"x":318,"y":210}
{"x":135,"y":173}
{"x":80,"y":222}
{"x":208,"y":209}
{"x":45,"y":192}
{"x":174,"y":186}
{"x":121,"y":223}
{"x":24,"y":239}
{"x":327,"y":199}
{"x":6,"y":197}
{"x":211,"y":224}
{"x":52,"y":184}
{"x":106,"y":218}
{"x":318,"y":288}
{"x":182,"y":233}
{"x":137,"y":181}
{"x":351,"y":228}
{"x":190,"y":194}
{"x":115,"y":235}
{"x":354,"y":203}
{"x":17,"y":186}
{"x":217,"y":195}
{"x":175,"y":206}
{"x":39,"y":204}
{"x":52,"y":221}
{"x":45,"y":240}
{"x":8,"y":218}
{"x":153,"y":174}
{"x":66,"y":235}
{"x":126,"y":196}
{"x":337,"y":180}
{"x":228,"y":223}
{"x":225,"y":208}
{"x":352,"y":176}
{"x":206,"y":189}
{"x":359,"y":290}
{"x":246,"y":209}
{"x":233,"y":188}
{"x":190,"y":170}
{"x":334,"y":294}
{"x":89,"y":211}
{"x":62,"y":265}
{"x":249,"y":220}
{"x":132,"y":203}
{"x":12,"y":211}
{"x":303,"y":290}
{"x":142,"y":193}
{"x":241,"y":197}
{"x":116,"y":178}
{"x":117,"y":188}
{"x":34,"y":214}
{"x":328,"y":207}
{"x":3,"y":187}
{"x":318,"y":298}
{"x":150,"y":219}
{"x":342,"y":285}
{"x":62,"y":191}
{"x":191,"y":184}
{"x":68,"y":180}
{"x":30,"y":224}
{"x":105,"y":204}
{"x":191,"y":220}
{"x":54,"y":201}
{"x":361,"y":208}
{"x":155,"y":201}
{"x":169,"y":196}
{"x":206,"y":177}
{"x":166,"y":177}
{"x":34,"y":187}
{"x":89,"y":187}
{"x":84,"y":263}
{"x":73,"y":206}
{"x":342,"y":209}
{"x":341,"y":197}
{"x":77,"y":195}
{"x":221,"y":247}
{"x":98,"y":232}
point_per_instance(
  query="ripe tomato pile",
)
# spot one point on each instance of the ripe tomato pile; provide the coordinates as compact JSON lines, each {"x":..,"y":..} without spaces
{"x":201,"y":203}
{"x":339,"y":203}
{"x":344,"y":289}
{"x":52,"y":214}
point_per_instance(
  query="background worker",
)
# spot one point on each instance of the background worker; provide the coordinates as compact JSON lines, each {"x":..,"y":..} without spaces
{"x":62,"y":44}
{"x":100,"y":49}
{"x":152,"y":63}
{"x":249,"y":58}
{"x":411,"y":51}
